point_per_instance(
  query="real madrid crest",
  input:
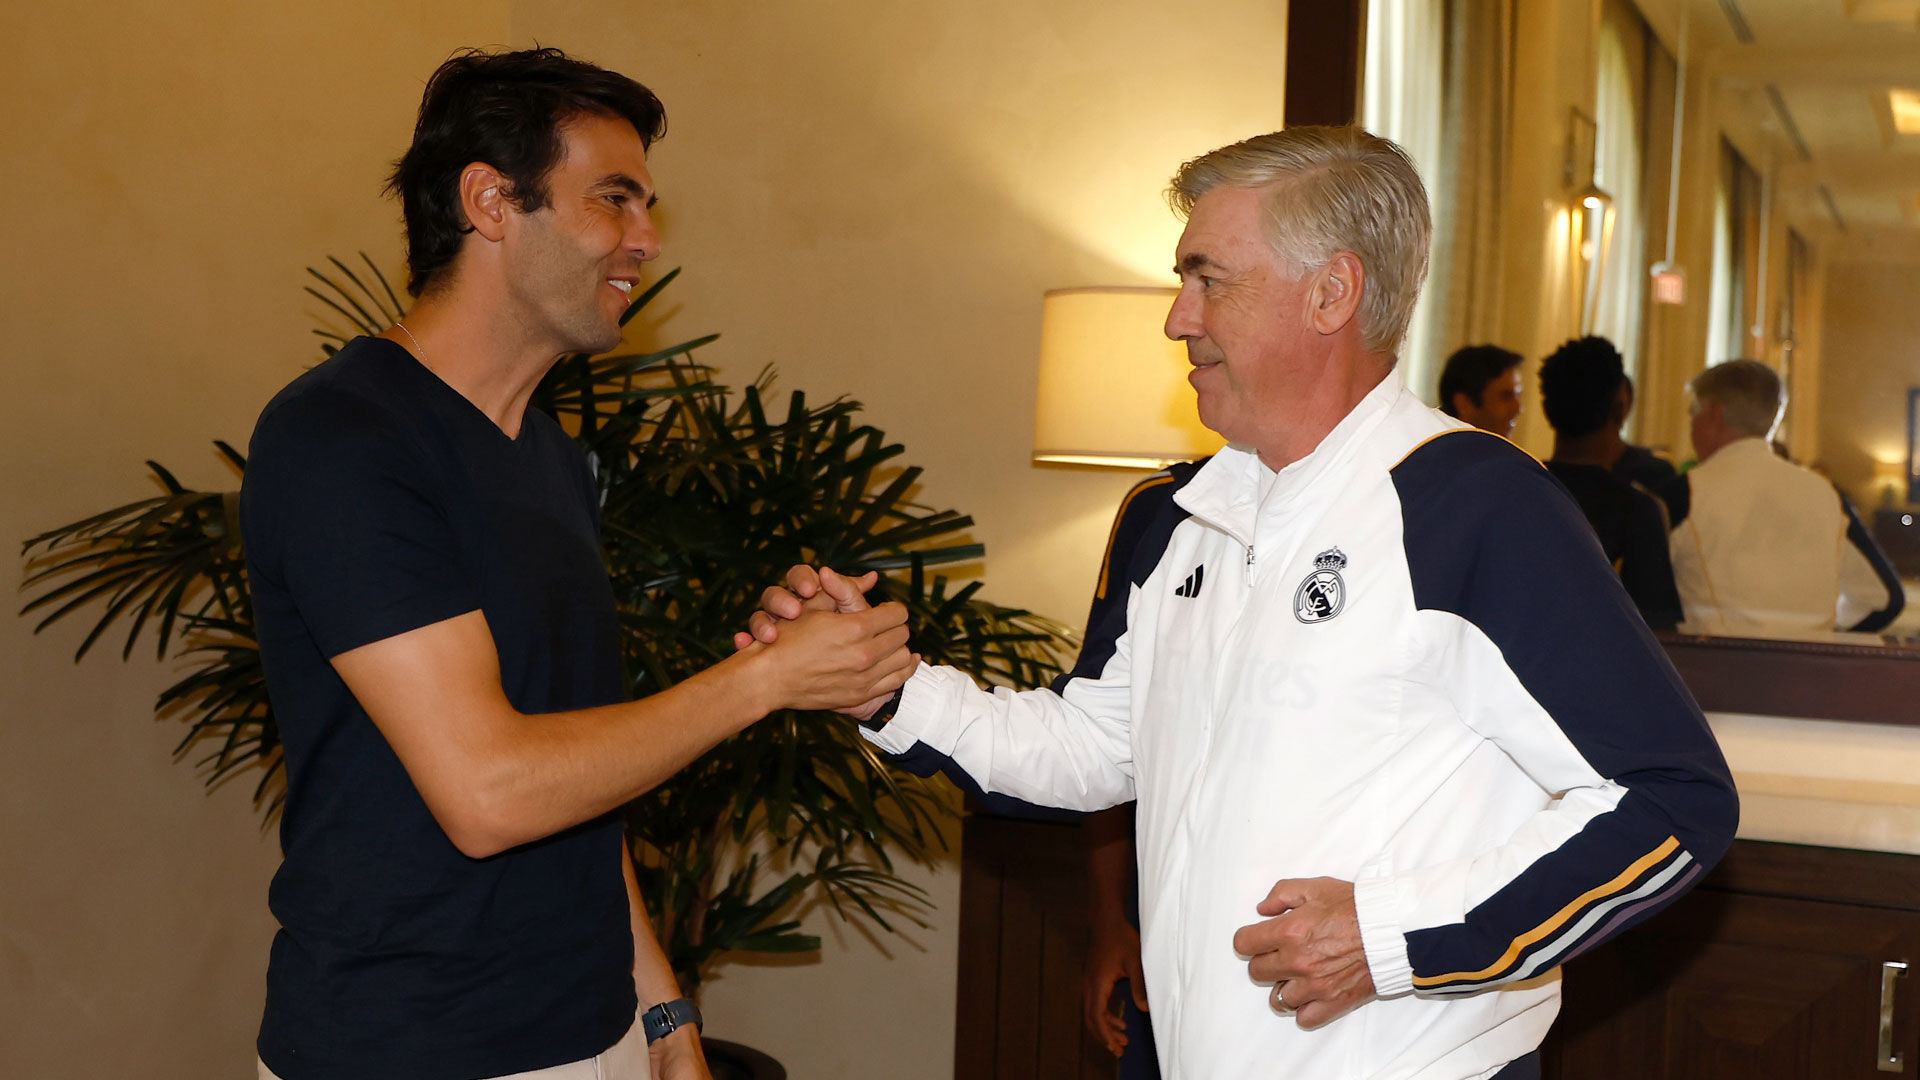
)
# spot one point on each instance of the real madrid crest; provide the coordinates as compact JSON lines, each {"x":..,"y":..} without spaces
{"x":1324,"y":593}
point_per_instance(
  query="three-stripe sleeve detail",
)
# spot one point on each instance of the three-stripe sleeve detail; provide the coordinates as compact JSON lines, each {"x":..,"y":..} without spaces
{"x":1664,"y":871}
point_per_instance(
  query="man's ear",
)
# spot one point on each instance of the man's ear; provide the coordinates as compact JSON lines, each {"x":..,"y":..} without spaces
{"x":1337,"y":290}
{"x":1622,"y":404}
{"x":1463,"y":403}
{"x":483,"y":199}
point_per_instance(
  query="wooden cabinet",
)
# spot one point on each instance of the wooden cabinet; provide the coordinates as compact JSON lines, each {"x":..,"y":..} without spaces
{"x":1773,"y":968}
{"x":1023,"y":941}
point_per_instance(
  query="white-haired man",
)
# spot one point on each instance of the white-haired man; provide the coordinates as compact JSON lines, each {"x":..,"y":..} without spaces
{"x":1400,"y":743}
{"x":1762,"y":547}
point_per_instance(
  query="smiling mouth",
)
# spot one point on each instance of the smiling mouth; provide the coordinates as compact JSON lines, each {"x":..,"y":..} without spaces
{"x":625,"y":287}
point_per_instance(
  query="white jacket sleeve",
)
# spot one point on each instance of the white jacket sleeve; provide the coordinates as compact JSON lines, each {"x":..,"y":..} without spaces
{"x":1532,"y":640}
{"x":1070,"y":751}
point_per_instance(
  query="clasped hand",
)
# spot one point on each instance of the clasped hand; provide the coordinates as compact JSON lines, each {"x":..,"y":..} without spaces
{"x":810,"y":598}
{"x":1310,"y":949}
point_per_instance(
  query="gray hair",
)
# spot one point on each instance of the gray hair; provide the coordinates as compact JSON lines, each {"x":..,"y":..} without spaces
{"x":1748,"y":392}
{"x":1332,"y":189}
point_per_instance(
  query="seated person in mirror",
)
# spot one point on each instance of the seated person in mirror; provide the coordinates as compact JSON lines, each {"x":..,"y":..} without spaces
{"x":1639,"y":464}
{"x":1481,"y":385}
{"x":1768,"y":548}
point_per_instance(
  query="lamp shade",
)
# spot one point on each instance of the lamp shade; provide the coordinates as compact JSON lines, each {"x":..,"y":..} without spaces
{"x":1113,"y":388}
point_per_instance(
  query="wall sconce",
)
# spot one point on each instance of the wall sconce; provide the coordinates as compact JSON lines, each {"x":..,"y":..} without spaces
{"x":1113,"y":388}
{"x":1591,"y":219}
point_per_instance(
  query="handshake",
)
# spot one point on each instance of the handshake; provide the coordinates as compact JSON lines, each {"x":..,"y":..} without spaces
{"x":823,"y":647}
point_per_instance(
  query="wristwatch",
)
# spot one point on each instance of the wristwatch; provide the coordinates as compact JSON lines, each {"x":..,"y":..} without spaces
{"x":668,"y":1016}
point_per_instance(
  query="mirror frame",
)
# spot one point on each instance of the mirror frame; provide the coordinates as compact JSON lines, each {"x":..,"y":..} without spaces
{"x":1875,"y":684}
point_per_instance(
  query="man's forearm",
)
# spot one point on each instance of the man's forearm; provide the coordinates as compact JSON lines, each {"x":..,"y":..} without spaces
{"x":512,"y":778}
{"x":653,"y":978}
{"x":496,"y":778}
{"x":550,"y":771}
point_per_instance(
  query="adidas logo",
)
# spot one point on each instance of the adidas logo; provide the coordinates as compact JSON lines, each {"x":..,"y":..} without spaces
{"x":1191,"y":587}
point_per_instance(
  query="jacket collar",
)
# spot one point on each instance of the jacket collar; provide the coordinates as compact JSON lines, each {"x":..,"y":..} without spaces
{"x":1226,"y":492}
{"x":1740,"y":454}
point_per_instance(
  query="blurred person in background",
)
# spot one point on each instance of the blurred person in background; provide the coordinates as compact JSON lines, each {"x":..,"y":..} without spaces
{"x":1768,"y":548}
{"x":1582,"y":392}
{"x":1481,"y":385}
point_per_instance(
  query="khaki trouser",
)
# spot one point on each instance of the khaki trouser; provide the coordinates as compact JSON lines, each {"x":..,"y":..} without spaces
{"x":625,"y":1060}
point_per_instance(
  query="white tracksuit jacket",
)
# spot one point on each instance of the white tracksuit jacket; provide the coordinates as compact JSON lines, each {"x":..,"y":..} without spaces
{"x":1407,"y":665}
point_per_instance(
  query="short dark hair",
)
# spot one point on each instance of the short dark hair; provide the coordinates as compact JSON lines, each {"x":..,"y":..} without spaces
{"x":506,"y":109}
{"x":1579,"y":385}
{"x":1470,"y":369}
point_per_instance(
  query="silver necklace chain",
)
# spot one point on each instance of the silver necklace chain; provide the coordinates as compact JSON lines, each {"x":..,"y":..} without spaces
{"x":416,"y":341}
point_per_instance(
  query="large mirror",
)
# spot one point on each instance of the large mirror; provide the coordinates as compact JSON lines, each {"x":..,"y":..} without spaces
{"x":1721,"y":179}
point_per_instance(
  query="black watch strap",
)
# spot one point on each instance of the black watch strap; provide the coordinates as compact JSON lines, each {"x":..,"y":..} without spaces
{"x":668,"y":1016}
{"x":885,"y":712}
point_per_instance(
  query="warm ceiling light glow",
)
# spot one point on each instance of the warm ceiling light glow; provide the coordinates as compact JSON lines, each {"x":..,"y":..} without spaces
{"x":1906,"y":111}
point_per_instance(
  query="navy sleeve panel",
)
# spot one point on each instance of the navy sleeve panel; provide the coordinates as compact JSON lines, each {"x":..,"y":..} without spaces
{"x":1646,"y":564}
{"x":1491,"y":539}
{"x":1141,"y":529}
{"x":1861,"y":539}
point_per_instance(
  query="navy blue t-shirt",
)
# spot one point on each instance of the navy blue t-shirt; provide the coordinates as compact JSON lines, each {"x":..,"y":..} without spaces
{"x":378,"y":500}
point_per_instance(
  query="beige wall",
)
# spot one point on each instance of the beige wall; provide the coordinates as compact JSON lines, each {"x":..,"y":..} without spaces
{"x":1873,"y":345}
{"x":871,"y":196}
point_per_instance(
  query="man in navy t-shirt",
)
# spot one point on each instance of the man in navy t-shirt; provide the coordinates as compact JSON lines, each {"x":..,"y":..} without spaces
{"x":439,"y":635}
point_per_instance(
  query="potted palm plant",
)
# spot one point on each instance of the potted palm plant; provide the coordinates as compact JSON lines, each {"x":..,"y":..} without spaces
{"x":709,"y":495}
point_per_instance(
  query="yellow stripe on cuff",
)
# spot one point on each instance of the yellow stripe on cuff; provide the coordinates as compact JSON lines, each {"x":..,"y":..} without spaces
{"x":1626,"y":877}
